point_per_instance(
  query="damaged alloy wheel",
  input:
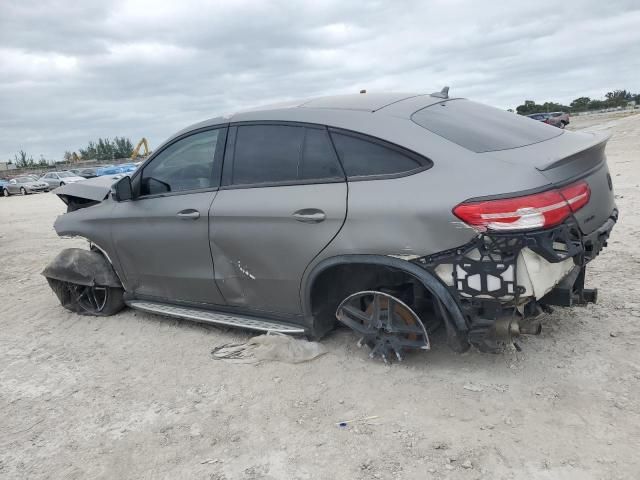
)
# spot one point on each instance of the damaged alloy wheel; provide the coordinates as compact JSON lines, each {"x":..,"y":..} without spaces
{"x":93,"y":300}
{"x":385,"y":323}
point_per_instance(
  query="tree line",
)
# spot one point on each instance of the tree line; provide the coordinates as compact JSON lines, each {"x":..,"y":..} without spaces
{"x":104,"y":149}
{"x":23,"y":160}
{"x":614,"y":99}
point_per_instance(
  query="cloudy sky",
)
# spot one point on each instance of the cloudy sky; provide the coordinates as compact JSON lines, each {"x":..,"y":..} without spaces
{"x":71,"y":71}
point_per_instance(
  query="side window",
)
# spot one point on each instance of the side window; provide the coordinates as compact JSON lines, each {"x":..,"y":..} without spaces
{"x":319,"y":159}
{"x":266,"y":153}
{"x":361,"y":157}
{"x":185,"y":165}
{"x":282,"y":153}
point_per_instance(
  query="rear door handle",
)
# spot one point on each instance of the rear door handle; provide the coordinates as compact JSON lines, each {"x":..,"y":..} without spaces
{"x":189,"y":213}
{"x":309,"y":215}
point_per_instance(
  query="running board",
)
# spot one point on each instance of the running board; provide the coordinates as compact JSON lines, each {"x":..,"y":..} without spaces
{"x":215,"y":318}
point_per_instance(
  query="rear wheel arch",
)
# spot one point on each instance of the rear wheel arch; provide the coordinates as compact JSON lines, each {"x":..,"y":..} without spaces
{"x":331,"y":280}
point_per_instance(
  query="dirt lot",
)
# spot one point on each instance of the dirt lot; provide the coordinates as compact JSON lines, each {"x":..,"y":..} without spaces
{"x":139,"y":396}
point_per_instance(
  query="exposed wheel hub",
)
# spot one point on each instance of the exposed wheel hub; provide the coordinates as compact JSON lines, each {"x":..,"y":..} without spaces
{"x":87,"y":299}
{"x":385,"y":323}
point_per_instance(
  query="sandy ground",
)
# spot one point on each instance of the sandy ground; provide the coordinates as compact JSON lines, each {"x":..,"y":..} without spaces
{"x":139,"y":396}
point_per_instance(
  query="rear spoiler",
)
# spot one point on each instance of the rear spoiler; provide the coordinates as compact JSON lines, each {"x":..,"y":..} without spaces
{"x":589,"y":156}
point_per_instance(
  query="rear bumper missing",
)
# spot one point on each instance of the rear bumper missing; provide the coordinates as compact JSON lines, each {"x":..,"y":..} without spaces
{"x":499,"y":279}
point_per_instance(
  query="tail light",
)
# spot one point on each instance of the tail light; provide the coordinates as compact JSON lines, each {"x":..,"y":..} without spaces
{"x":540,"y":210}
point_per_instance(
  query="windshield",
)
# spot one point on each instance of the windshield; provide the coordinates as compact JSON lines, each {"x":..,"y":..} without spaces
{"x":65,"y":174}
{"x":481,"y":128}
{"x":24,"y":179}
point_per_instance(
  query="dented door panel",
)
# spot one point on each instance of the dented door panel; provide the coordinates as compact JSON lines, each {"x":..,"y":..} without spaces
{"x":261,"y":249}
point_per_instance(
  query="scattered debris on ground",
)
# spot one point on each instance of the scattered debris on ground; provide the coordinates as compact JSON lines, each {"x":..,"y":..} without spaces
{"x":270,"y":347}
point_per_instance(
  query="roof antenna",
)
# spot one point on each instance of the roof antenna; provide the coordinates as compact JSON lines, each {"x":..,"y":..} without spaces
{"x":444,"y":93}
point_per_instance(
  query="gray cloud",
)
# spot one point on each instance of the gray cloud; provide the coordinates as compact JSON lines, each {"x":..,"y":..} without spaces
{"x":73,"y":71}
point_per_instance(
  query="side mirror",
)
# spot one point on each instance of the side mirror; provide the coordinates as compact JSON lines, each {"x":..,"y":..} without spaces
{"x":122,"y":189}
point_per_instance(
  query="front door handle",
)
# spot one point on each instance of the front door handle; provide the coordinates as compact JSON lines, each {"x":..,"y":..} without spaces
{"x":190,"y":213}
{"x":309,"y":215}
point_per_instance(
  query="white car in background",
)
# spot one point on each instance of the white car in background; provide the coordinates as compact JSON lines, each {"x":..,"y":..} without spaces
{"x":58,"y":179}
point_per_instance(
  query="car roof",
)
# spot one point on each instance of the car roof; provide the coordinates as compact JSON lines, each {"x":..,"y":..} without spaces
{"x":323,"y":110}
{"x":367,"y":102}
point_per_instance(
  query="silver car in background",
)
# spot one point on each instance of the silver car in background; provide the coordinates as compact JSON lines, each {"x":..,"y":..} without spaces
{"x":59,"y":179}
{"x":24,"y":186}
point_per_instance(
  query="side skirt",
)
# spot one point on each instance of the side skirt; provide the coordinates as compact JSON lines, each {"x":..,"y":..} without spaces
{"x":215,"y":318}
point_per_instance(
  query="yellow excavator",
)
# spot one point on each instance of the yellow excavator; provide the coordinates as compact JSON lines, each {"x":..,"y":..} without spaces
{"x":136,"y":151}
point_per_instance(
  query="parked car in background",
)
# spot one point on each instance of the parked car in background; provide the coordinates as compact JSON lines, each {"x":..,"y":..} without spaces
{"x":128,"y":167}
{"x":562,"y":117}
{"x":58,"y":179}
{"x":24,"y":185}
{"x":3,"y":182}
{"x":245,"y":221}
{"x":88,"y":173}
{"x":109,"y":170}
{"x":556,"y":119}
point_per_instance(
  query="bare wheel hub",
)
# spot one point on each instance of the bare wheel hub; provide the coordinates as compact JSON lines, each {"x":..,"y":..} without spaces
{"x":91,"y":299}
{"x":385,"y":323}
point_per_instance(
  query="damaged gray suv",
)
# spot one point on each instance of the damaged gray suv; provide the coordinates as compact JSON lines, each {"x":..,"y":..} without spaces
{"x":392,"y":214}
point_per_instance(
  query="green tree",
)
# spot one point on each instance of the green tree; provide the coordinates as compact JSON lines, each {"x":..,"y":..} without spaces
{"x":618,"y":98}
{"x":23,"y":160}
{"x":530,"y":107}
{"x":580,"y":104}
{"x":123,"y":148}
{"x":90,"y":152}
{"x":526,"y":108}
{"x":107,"y":149}
{"x":596,"y":105}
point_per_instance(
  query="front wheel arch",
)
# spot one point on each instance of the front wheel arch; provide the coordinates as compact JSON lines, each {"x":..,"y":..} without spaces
{"x":75,"y":270}
{"x":454,"y":318}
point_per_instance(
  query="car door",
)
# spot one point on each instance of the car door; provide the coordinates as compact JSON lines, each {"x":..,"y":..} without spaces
{"x":13,"y":186}
{"x":162,"y":236}
{"x":283,"y":199}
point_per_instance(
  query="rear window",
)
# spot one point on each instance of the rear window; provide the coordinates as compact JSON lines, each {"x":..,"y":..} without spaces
{"x":361,"y":157}
{"x":481,"y":128}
